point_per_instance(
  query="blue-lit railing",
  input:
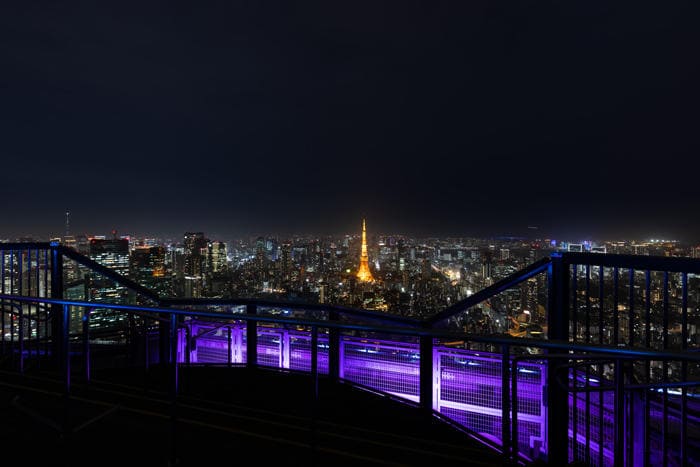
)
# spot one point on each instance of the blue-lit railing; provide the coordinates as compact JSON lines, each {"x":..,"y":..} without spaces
{"x":630,"y":403}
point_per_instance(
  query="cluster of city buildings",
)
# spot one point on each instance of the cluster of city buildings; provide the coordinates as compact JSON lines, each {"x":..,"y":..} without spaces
{"x":414,"y":277}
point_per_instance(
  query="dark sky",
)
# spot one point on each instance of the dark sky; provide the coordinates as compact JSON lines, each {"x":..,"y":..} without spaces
{"x":469,"y":117}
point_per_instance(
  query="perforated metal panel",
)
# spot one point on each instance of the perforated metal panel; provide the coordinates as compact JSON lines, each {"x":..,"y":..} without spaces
{"x":389,"y":367}
{"x":300,"y":351}
{"x":470,"y":393}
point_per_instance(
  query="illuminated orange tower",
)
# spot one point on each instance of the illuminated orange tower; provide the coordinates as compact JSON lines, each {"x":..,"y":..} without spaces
{"x":364,"y":274}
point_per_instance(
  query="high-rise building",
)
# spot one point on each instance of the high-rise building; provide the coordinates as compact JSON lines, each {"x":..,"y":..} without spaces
{"x":147,"y":267}
{"x":505,"y":254}
{"x":363,"y":273}
{"x":216,"y":257}
{"x":286,"y":264}
{"x":195,"y":244}
{"x":114,"y":254}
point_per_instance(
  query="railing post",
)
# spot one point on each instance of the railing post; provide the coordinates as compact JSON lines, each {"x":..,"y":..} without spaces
{"x":65,"y":346}
{"x":514,"y":411}
{"x":557,"y":329}
{"x":20,"y":329}
{"x":230,"y":347}
{"x":252,"y":337}
{"x":505,"y":402}
{"x":620,"y":446}
{"x":314,"y":360}
{"x":426,"y":373}
{"x":173,"y":388}
{"x":86,"y":343}
{"x":314,"y":380}
{"x":56,"y":309}
{"x":333,"y":348}
{"x":164,"y":333}
{"x":173,"y":355}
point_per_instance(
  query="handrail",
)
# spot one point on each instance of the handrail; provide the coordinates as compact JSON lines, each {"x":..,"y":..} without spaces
{"x":409,"y":331}
{"x":24,"y":245}
{"x":484,"y":294}
{"x":291,"y":305}
{"x":653,"y":263}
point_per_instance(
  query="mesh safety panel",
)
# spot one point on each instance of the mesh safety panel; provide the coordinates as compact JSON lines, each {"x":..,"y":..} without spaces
{"x":594,"y":419}
{"x":470,"y":393}
{"x":389,"y":367}
{"x":300,"y":351}
{"x":270,"y":348}
{"x":212,"y":349}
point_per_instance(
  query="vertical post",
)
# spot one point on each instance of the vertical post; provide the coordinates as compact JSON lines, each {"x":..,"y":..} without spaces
{"x":12,"y":317}
{"x":505,"y":402}
{"x":57,"y":325}
{"x":557,"y":329}
{"x":684,"y":371}
{"x":20,"y":332}
{"x":21,"y":327}
{"x":333,"y":348}
{"x":2,"y":303}
{"x":426,"y":373}
{"x":146,"y":343}
{"x":665,"y":434}
{"x":131,"y":340}
{"x":252,"y":337}
{"x":173,"y":387}
{"x":86,"y":343}
{"x":188,"y":345}
{"x":314,"y":381}
{"x":173,"y":355}
{"x":285,"y":349}
{"x":619,"y":420}
{"x":65,"y":346}
{"x":616,"y":304}
{"x":46,"y":307}
{"x":514,"y":410}
{"x":314,"y":360}
{"x":230,"y":347}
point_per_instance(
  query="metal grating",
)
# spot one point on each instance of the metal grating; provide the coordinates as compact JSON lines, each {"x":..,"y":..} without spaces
{"x":300,"y":351}
{"x":389,"y":367}
{"x":470,"y":392}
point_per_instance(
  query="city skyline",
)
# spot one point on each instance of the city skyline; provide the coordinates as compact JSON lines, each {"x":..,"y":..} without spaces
{"x":530,"y":233}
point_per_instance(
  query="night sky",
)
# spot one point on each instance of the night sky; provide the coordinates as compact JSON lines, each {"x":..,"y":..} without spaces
{"x":474,"y":117}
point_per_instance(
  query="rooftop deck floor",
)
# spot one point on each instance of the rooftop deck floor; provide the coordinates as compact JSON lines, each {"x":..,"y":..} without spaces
{"x":224,"y":416}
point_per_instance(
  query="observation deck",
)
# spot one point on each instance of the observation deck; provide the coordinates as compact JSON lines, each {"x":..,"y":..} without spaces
{"x":612,"y":379}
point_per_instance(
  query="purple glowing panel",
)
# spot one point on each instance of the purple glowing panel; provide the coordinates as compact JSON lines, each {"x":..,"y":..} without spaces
{"x":469,"y":391}
{"x":300,"y":352}
{"x":270,"y":348}
{"x":211,"y":344}
{"x":594,"y":416}
{"x":211,"y":349}
{"x":389,"y":367}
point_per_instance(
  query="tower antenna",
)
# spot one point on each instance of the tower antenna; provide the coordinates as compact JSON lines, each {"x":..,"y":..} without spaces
{"x":364,"y":274}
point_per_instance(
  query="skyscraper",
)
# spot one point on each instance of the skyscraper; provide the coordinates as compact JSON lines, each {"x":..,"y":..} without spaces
{"x":195,"y":245}
{"x":216,"y":257}
{"x":364,"y":274}
{"x":114,"y":254}
{"x":147,"y":267}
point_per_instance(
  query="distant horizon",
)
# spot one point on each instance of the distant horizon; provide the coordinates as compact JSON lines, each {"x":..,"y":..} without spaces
{"x":214,"y":234}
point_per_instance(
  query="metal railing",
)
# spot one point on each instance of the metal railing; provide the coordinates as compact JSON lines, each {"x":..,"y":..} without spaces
{"x":587,"y":393}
